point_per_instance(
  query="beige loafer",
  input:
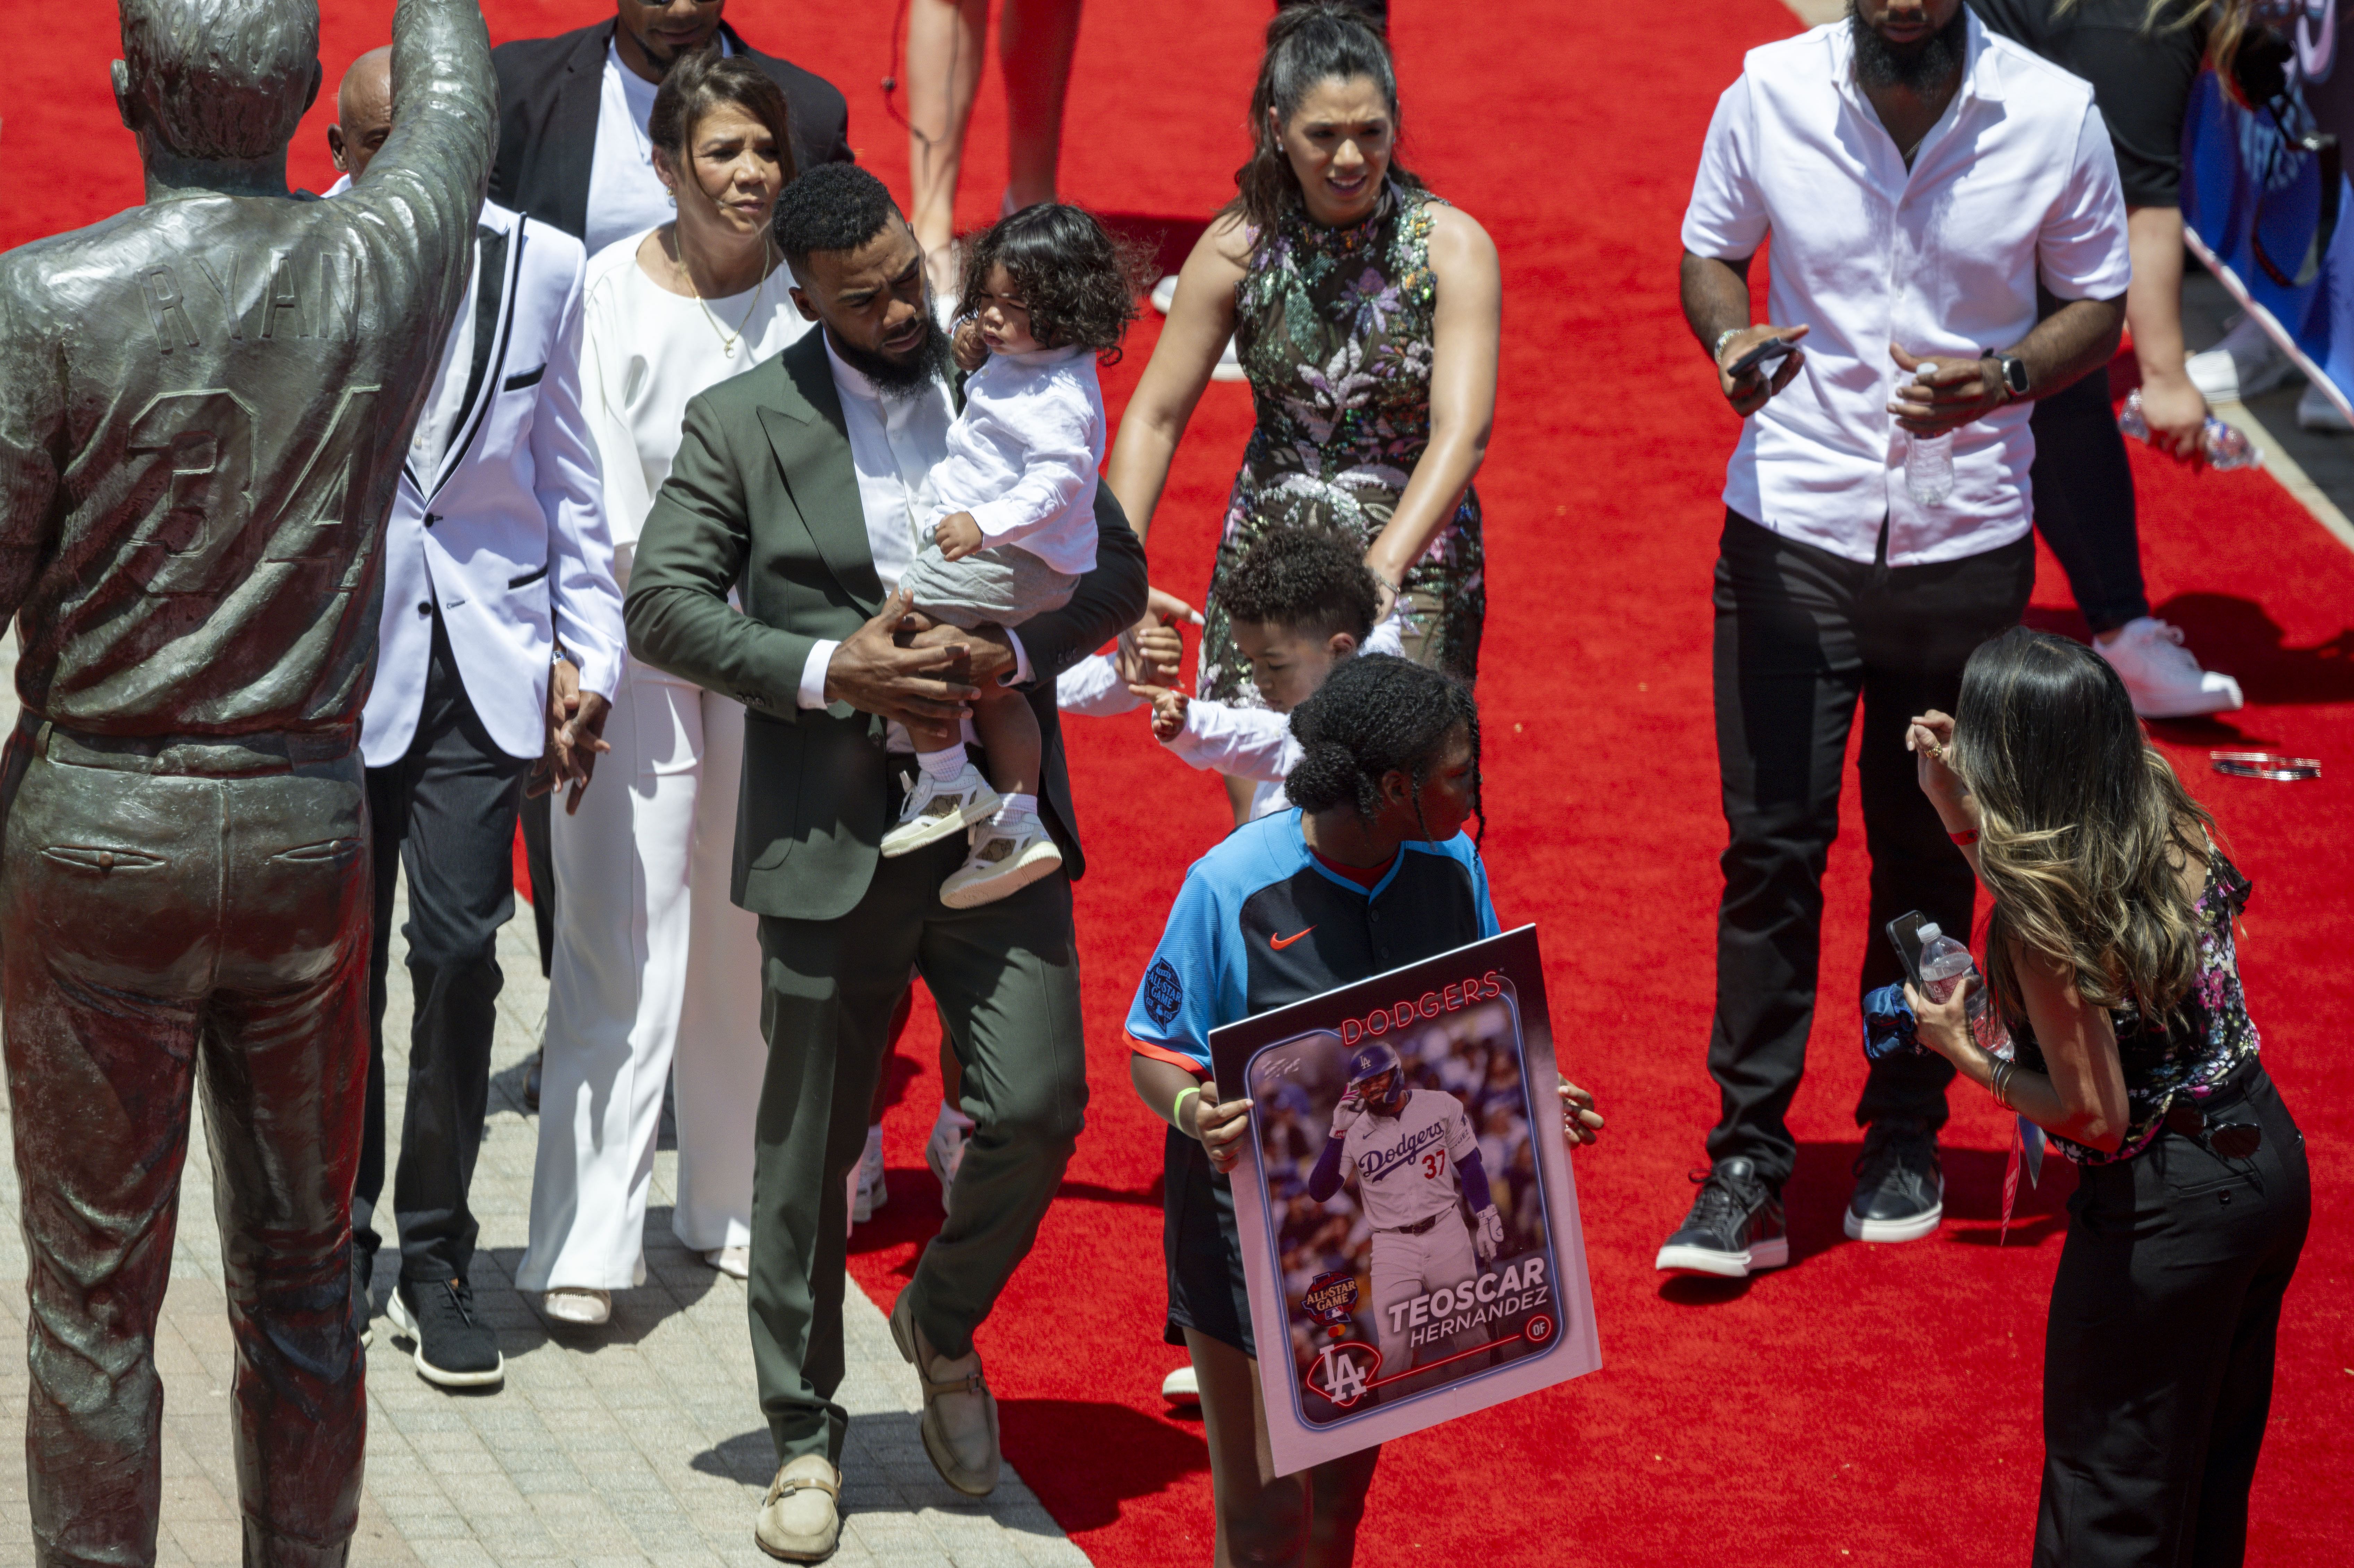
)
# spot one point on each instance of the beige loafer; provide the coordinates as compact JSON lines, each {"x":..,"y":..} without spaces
{"x":959,"y":1419}
{"x":801,"y":1518}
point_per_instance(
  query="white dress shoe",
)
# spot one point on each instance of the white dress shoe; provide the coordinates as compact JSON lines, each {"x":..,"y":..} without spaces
{"x":734,"y":1261}
{"x":960,"y":1420}
{"x":801,"y":1518}
{"x":578,"y":1306}
{"x":2161,"y":674}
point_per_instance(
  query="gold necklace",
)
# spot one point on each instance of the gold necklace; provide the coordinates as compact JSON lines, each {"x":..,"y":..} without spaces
{"x":727,"y":341}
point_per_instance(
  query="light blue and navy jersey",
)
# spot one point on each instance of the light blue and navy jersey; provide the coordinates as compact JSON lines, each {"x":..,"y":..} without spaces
{"x":1261,"y":923}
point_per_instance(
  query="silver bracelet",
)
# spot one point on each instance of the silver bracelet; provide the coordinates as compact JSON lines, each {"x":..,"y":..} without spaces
{"x":1727,"y":335}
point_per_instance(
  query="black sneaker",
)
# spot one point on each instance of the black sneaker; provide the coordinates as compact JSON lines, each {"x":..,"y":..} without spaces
{"x":1734,"y":1228}
{"x":1900,"y":1189}
{"x":454,"y":1349}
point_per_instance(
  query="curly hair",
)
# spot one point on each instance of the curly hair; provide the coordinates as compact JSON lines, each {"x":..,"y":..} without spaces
{"x":1079,"y":283}
{"x":701,"y":82}
{"x":1375,"y":715}
{"x":221,"y":78}
{"x":1304,"y":579}
{"x":2085,"y":830}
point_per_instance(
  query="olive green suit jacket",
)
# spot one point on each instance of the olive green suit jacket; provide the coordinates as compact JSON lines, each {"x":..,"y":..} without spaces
{"x":763,"y":498}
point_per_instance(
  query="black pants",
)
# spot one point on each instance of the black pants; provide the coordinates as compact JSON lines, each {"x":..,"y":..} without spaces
{"x":539,"y":859}
{"x":446,"y":812}
{"x":2158,"y":1363}
{"x":178,"y":928}
{"x":2084,"y":502}
{"x":1800,"y":635}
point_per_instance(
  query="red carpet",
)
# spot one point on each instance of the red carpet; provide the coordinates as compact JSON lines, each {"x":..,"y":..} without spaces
{"x":1870,"y":1403}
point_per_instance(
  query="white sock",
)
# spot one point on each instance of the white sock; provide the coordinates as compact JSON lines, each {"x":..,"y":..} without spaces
{"x":942,"y":767}
{"x":1016,"y":809}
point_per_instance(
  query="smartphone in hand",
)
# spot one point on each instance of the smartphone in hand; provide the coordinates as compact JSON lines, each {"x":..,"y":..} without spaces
{"x":1904,"y":936}
{"x":1766,"y":354}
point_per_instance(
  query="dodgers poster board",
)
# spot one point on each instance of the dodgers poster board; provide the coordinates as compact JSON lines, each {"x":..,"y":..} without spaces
{"x":1381,"y":1309}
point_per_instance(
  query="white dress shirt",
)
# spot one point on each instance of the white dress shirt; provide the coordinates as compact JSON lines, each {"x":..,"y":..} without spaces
{"x":625,"y":195}
{"x":1022,"y":456}
{"x":896,"y":441}
{"x":2015,"y":183}
{"x":645,"y":354}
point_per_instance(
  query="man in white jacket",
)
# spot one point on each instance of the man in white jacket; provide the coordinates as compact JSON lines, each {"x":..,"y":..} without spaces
{"x":499,"y":648}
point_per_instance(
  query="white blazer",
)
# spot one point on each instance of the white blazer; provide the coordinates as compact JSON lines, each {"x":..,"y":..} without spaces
{"x":508,"y":536}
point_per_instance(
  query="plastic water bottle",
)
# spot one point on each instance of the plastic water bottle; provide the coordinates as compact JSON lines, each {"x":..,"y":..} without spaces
{"x":1945,"y":964}
{"x":1929,"y":467}
{"x":2224,"y":446}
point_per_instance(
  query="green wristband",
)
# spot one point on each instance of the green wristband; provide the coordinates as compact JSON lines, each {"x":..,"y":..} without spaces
{"x":1177,"y":1109}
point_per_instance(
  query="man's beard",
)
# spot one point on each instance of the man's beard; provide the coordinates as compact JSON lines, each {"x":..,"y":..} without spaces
{"x":1915,"y":66}
{"x":930,"y":363}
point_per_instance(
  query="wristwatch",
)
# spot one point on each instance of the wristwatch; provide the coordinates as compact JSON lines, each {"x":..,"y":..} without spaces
{"x":2013,"y":369}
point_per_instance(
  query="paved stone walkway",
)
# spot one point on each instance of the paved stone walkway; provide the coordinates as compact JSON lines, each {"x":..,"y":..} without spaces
{"x":641,"y":1443}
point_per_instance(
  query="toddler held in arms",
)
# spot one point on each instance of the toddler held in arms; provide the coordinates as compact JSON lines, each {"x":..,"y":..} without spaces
{"x":1300,"y":604}
{"x":1045,"y":292}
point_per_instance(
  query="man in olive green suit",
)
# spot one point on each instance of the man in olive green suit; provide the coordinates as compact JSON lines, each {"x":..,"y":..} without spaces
{"x":801,"y":485}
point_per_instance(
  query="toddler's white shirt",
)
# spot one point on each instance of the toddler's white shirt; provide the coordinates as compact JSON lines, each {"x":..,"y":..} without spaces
{"x":1024,"y":454}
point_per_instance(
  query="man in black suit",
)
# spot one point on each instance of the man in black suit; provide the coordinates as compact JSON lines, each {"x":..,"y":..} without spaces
{"x":798,"y":486}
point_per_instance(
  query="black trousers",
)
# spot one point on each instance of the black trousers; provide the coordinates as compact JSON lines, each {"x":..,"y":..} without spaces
{"x":446,"y":814}
{"x":181,"y":927}
{"x":539,"y":859}
{"x":2084,"y":502}
{"x":1802,"y":634}
{"x":2158,"y":1362}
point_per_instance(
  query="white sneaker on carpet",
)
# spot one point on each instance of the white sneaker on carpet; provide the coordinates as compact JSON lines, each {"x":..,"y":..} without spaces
{"x":1006,"y":858}
{"x":578,"y":1306}
{"x":1181,"y":1387}
{"x":2247,"y":361}
{"x":944,"y":1151}
{"x":1230,"y":365}
{"x":1164,"y":293}
{"x":934,"y":810}
{"x":870,"y":1194}
{"x":2315,"y":411}
{"x":2161,"y":675}
{"x":734,"y":1261}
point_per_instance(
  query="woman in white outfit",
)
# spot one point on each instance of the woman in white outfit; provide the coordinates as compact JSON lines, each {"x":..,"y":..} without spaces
{"x":655,"y":969}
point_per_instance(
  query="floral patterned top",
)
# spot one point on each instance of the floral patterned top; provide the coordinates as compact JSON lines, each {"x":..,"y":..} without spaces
{"x":1334,"y":328}
{"x":2210,"y":1035}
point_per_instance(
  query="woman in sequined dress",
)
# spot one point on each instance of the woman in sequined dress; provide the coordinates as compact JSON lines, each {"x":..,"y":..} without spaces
{"x":1366,"y":313}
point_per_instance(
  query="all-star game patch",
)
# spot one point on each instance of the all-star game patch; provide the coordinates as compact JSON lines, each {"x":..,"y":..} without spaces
{"x":1164,"y":993}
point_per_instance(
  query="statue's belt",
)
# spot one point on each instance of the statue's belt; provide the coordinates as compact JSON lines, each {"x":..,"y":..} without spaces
{"x":206,"y":756}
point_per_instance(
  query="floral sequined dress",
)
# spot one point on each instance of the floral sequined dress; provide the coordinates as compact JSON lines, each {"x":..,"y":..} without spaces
{"x":1334,"y":328}
{"x":2210,"y":1034}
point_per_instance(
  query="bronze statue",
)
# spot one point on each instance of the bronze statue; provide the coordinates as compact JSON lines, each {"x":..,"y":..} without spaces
{"x":204,"y":404}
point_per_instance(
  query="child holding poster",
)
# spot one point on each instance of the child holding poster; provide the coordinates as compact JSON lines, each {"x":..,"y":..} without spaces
{"x":1370,"y":870}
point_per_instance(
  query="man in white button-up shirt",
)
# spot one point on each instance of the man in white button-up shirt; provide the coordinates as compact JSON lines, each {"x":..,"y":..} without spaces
{"x":1948,"y":245}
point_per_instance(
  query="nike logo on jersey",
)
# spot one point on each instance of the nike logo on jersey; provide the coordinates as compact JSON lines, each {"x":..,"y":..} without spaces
{"x":1279,"y":943}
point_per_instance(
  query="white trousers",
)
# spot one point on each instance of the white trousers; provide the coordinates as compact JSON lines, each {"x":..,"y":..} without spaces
{"x":656,"y":975}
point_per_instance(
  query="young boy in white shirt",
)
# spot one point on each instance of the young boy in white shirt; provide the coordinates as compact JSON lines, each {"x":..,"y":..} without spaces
{"x":1301,"y":603}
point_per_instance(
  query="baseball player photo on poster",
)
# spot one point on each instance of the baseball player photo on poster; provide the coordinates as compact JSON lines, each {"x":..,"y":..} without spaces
{"x":1407,"y":1234}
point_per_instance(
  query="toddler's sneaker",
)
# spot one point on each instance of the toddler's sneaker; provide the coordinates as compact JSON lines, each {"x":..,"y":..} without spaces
{"x":933,"y":810}
{"x":1007,"y":856}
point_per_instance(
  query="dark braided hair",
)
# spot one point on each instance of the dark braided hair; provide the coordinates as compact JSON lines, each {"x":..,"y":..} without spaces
{"x":1373,"y":715}
{"x":1302,"y":579}
{"x":1307,"y":45}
